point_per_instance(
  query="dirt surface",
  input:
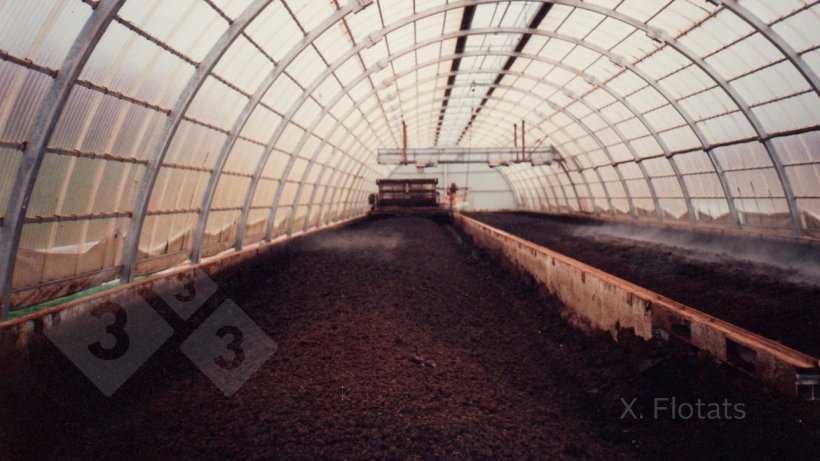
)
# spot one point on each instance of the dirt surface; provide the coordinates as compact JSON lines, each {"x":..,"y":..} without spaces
{"x":766,"y":287}
{"x":397,"y":339}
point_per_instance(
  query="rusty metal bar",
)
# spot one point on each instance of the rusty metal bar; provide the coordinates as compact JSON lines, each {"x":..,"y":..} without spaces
{"x":95,"y":156}
{"x":122,"y":96}
{"x":76,"y":217}
{"x":168,"y":48}
{"x":21,"y":146}
{"x":172,"y":212}
{"x":28,"y":64}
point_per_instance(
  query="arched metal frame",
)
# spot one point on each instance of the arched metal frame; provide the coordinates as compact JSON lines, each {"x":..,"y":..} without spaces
{"x":418,"y":45}
{"x":354,"y":83}
{"x":203,"y":71}
{"x":104,"y":12}
{"x":361,"y":100}
{"x":50,"y":112}
{"x":688,"y":119}
{"x":743,"y":107}
{"x":700,"y":63}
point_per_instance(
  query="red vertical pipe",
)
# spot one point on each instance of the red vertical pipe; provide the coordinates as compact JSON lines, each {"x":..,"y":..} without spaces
{"x":404,"y":141}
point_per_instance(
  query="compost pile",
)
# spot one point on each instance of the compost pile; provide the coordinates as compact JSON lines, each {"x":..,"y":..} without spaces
{"x":701,"y":270}
{"x":398,"y":338}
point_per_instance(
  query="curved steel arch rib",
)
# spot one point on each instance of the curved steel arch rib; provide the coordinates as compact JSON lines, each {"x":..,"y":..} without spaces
{"x":245,"y":116}
{"x":320,"y":116}
{"x":616,"y":96}
{"x":610,"y":13}
{"x":773,"y":37}
{"x":649,"y":81}
{"x":186,"y":97}
{"x":362,"y":99}
{"x":49,"y":114}
{"x":580,"y":99}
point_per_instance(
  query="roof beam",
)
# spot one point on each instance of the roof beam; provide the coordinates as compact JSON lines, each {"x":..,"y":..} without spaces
{"x":536,"y":21}
{"x":461,"y":42}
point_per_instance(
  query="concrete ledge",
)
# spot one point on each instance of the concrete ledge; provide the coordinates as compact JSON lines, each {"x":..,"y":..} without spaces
{"x":611,"y":304}
{"x":16,"y":334}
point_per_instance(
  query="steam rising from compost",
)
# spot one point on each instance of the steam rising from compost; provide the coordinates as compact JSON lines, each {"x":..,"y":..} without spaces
{"x":364,"y":243}
{"x":800,"y":263}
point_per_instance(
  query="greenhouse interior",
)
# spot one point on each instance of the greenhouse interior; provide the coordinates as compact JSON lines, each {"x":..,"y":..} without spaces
{"x":409,"y":229}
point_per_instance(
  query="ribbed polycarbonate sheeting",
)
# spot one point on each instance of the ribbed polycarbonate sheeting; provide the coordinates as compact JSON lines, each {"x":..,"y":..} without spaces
{"x":192,"y":127}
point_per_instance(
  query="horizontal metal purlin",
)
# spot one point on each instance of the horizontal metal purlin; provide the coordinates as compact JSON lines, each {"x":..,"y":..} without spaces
{"x":122,"y":96}
{"x":231,"y":85}
{"x":252,"y":141}
{"x":710,"y":147}
{"x":95,"y":156}
{"x":781,"y":98}
{"x":28,"y":64}
{"x":63,"y":281}
{"x":206,"y":125}
{"x":270,"y":108}
{"x":229,"y":208}
{"x":259,"y":48}
{"x":155,"y":41}
{"x":219,"y":11}
{"x":776,"y":135}
{"x":21,"y":145}
{"x":179,"y":166}
{"x":75,"y":217}
{"x":238,"y":174}
{"x":172,"y":212}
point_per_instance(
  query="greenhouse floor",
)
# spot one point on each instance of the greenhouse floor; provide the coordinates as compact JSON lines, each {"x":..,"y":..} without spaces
{"x":397,"y":338}
{"x":744,"y":282}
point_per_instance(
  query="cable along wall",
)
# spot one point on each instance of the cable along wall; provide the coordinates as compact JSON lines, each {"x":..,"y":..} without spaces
{"x":141,"y":135}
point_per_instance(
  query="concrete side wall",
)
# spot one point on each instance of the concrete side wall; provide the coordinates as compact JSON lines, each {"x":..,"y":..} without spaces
{"x":610,"y":304}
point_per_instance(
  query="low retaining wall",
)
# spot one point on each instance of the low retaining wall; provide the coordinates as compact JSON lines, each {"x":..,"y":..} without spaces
{"x":16,"y":334}
{"x":611,"y":304}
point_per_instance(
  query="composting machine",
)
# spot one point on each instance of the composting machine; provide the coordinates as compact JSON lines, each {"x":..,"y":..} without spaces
{"x":406,"y":196}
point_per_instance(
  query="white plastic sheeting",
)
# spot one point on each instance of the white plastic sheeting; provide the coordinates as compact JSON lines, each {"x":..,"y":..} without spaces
{"x":136,"y":135}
